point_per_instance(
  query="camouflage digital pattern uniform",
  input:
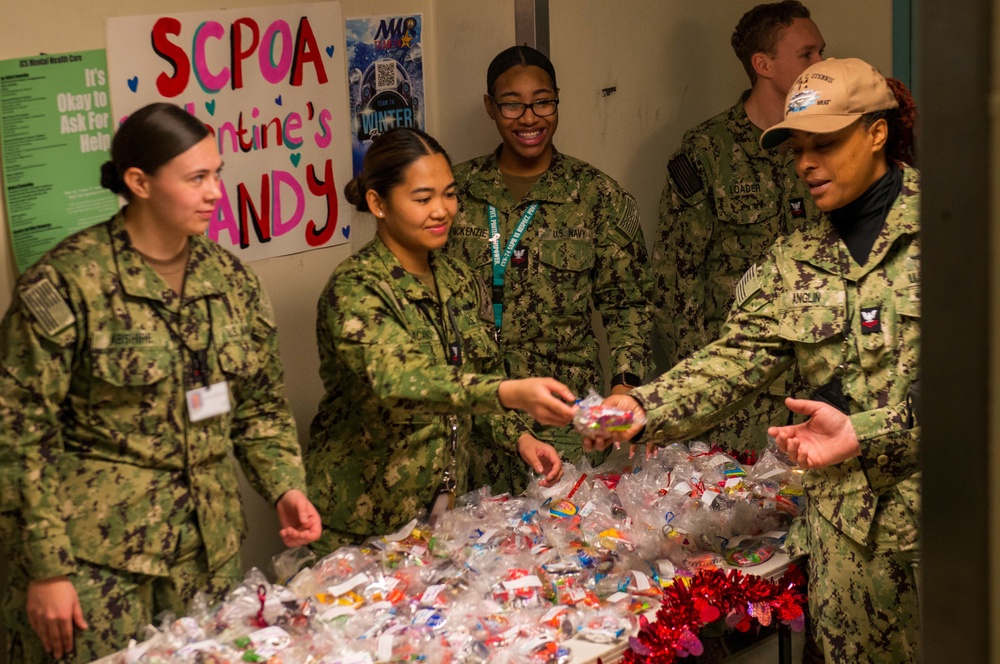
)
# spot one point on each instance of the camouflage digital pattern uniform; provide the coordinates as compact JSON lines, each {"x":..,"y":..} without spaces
{"x":111,"y":474}
{"x":583,"y":246}
{"x":803,"y":306}
{"x":725,"y":202}
{"x":381,"y":441}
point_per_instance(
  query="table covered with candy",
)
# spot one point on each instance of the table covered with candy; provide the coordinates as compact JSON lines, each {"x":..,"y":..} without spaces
{"x":629,"y":563}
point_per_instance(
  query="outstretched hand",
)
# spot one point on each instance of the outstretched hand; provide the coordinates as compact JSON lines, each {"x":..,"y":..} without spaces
{"x":825,"y":439}
{"x":300,"y":522}
{"x":542,"y":457}
{"x":545,"y":399}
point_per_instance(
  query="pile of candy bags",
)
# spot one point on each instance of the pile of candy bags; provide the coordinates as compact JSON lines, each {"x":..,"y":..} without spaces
{"x":499,"y":578}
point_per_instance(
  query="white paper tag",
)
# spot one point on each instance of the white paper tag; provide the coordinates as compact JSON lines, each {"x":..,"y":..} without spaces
{"x":402,"y":533}
{"x":587,"y":509}
{"x":530,"y":581}
{"x":427,"y":599}
{"x":206,"y":402}
{"x":486,"y":536}
{"x":384,"y":650}
{"x":553,"y":612}
{"x":682,"y":487}
{"x":732,"y":481}
{"x":641,"y":580}
{"x":709,"y":497}
{"x":617,"y":597}
{"x":337,"y":611}
{"x":350,"y":584}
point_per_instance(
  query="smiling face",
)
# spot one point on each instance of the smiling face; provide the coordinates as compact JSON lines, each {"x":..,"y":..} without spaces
{"x":181,"y":195}
{"x":416,"y":215}
{"x":527,"y":140}
{"x":840,"y":166}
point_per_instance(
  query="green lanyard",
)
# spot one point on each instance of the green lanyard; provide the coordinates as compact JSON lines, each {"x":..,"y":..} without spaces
{"x":500,"y":261}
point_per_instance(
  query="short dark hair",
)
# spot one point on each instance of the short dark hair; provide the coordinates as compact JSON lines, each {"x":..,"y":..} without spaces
{"x":758,"y":30}
{"x":147,"y":140}
{"x":524,"y":56}
{"x":386,"y":161}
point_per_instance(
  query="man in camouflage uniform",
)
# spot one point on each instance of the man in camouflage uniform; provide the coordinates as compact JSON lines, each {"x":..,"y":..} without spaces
{"x":581,"y":251}
{"x":112,"y":486}
{"x":726,"y":201}
{"x":393,"y":428}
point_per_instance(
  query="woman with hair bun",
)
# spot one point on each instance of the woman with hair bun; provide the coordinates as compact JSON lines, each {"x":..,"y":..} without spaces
{"x":136,"y":359}
{"x":407,"y":358}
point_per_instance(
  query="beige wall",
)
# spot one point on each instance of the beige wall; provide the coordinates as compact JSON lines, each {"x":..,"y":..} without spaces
{"x":670,"y":61}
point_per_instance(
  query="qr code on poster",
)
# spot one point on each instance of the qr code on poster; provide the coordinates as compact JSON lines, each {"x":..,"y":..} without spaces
{"x":385,"y":75}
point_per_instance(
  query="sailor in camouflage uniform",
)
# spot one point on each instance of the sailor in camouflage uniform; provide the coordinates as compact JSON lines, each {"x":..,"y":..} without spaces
{"x":580,"y":249}
{"x":840,"y":300}
{"x":117,"y":491}
{"x":407,"y":358}
{"x":726,"y":201}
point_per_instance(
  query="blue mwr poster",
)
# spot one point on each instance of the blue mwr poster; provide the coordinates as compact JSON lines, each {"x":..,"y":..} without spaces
{"x":385,"y":74}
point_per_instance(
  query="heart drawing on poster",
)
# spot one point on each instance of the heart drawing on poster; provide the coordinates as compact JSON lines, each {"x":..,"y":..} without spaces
{"x":133,"y":83}
{"x":295,"y":157}
{"x":329,"y":51}
{"x":277,"y":100}
{"x":210,"y":107}
{"x":346,"y":230}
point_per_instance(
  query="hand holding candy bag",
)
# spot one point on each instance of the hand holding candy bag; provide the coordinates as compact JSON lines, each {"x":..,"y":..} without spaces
{"x":594,"y":420}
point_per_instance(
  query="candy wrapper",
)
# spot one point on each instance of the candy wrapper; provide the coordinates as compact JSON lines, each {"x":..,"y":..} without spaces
{"x":594,"y":419}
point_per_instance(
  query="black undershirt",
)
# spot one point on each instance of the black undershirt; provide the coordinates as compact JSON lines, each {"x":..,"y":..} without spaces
{"x":860,"y":221}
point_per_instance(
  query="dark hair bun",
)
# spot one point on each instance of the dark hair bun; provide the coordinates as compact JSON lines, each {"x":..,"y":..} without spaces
{"x":110,"y":179}
{"x":354,"y":192}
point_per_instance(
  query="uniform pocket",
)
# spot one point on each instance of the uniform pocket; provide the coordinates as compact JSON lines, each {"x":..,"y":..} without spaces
{"x":127,"y":388}
{"x":239,"y":360}
{"x":749,"y":213}
{"x":564,"y":283}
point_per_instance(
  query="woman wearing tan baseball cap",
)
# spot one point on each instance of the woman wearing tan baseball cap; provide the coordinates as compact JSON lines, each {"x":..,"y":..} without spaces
{"x":841,"y":300}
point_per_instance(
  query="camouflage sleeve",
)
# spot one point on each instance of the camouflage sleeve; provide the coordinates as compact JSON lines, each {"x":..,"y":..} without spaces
{"x":263,"y":431}
{"x":889,"y":448}
{"x":37,"y":343}
{"x":505,"y":429}
{"x":362,"y":322}
{"x":721,"y":378}
{"x":685,"y":227}
{"x":622,"y":285}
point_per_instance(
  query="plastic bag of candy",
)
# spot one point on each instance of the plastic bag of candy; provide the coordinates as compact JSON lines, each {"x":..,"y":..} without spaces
{"x":594,"y":419}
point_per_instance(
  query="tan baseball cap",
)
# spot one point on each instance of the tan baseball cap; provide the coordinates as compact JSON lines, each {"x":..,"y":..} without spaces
{"x":829,"y":96}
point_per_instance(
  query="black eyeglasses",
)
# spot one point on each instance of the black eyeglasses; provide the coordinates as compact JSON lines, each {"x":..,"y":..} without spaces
{"x":512,"y":110}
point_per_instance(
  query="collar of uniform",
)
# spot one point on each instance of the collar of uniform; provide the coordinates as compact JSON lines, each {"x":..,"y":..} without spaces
{"x":409,"y":285}
{"x":748,"y":134}
{"x":903,"y":219}
{"x":823,"y":248}
{"x":552,"y":187}
{"x":139,"y":279}
{"x":205,"y":274}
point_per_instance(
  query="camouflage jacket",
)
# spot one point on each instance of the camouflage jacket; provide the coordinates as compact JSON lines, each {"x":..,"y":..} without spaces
{"x":381,"y":441}
{"x":726,"y":200}
{"x":584,"y":244}
{"x":810,"y":304}
{"x":93,"y":377}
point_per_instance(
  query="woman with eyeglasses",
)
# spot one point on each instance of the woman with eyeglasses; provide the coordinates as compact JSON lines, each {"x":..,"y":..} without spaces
{"x":552,"y":235}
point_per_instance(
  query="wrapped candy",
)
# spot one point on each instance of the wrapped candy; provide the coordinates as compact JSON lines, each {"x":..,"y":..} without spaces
{"x":593,"y":419}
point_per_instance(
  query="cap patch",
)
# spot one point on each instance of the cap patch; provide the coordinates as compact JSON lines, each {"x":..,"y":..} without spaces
{"x":802,"y":100}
